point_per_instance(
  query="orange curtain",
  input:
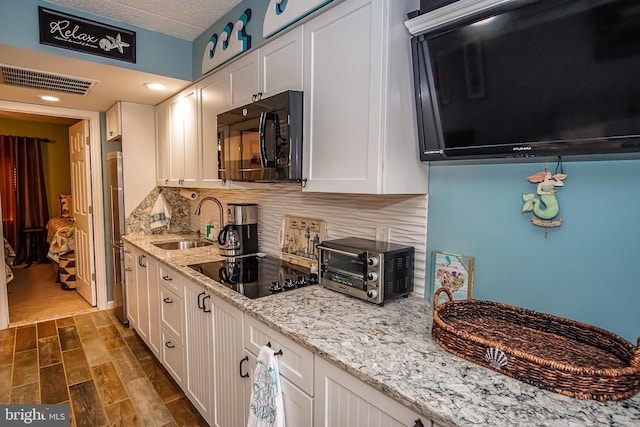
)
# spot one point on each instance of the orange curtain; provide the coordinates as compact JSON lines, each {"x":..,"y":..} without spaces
{"x":22,"y":187}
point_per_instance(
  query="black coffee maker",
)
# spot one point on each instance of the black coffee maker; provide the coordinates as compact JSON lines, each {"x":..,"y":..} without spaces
{"x":240,"y":235}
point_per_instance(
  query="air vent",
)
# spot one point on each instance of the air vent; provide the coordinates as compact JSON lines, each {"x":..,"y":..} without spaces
{"x":32,"y":79}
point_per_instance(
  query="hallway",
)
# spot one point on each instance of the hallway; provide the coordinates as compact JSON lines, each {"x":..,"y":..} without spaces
{"x":101,"y":368}
{"x":34,"y":296}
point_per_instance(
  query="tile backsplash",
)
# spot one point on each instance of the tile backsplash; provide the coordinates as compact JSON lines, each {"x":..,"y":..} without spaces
{"x":346,"y":215}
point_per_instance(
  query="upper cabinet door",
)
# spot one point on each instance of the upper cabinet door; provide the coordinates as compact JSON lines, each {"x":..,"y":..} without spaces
{"x":163,"y":140}
{"x":360,"y":133}
{"x":213,"y":101}
{"x":342,"y":84}
{"x":243,"y":76}
{"x":281,"y":64}
{"x":183,"y":137}
{"x":114,"y":123}
{"x":274,"y":68}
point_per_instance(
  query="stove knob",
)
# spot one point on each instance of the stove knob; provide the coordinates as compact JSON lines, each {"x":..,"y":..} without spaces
{"x":372,"y":293}
{"x":372,"y":277}
{"x":372,"y":262}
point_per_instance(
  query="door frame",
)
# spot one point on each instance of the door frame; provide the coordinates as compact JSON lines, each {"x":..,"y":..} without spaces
{"x":97,"y":202}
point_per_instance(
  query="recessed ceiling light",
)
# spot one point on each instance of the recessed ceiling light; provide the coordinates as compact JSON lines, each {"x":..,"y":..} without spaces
{"x":155,"y":86}
{"x":49,"y":98}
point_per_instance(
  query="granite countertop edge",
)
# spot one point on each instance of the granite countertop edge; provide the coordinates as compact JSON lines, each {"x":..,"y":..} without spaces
{"x":390,"y":348}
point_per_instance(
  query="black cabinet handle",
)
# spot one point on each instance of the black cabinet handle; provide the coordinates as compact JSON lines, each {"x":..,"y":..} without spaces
{"x":204,"y":307}
{"x":244,"y":359}
{"x":200,"y":302}
{"x":168,"y":300}
{"x":418,"y":423}
{"x":167,"y":278}
{"x":169,"y":344}
{"x":141,"y":258}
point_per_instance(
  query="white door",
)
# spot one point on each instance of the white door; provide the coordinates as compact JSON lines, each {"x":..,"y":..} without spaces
{"x":82,"y":211}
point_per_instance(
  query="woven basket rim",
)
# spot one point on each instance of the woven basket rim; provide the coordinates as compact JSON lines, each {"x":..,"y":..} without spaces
{"x":627,"y":370}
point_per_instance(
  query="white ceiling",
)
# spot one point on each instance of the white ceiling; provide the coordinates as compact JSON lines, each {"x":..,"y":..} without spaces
{"x":185,"y":19}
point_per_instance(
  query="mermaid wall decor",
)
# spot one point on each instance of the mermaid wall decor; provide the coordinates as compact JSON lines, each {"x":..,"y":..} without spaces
{"x":543,"y":203}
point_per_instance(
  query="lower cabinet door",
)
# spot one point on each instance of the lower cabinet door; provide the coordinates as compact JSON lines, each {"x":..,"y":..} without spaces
{"x":198,"y":348}
{"x":173,"y":357}
{"x":298,"y":406}
{"x":341,"y":400}
{"x":228,"y":351}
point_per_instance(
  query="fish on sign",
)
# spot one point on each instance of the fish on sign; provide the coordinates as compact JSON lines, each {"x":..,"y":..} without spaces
{"x":83,"y":35}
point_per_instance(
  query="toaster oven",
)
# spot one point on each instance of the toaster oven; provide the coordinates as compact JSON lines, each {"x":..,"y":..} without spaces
{"x":367,"y":269}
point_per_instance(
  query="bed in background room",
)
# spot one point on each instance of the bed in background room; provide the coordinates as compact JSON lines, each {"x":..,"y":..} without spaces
{"x":61,"y":231}
{"x":9,"y":255}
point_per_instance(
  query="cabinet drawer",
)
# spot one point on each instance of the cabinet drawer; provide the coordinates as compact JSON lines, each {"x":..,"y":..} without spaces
{"x":173,"y":356}
{"x":296,"y":362}
{"x":171,"y":313}
{"x":170,"y":279}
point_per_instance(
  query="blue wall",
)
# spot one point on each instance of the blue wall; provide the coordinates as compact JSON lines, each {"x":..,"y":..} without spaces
{"x":156,"y":53}
{"x":585,"y":270}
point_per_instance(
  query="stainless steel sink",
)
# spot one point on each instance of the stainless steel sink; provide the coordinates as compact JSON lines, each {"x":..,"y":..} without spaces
{"x":182,"y":244}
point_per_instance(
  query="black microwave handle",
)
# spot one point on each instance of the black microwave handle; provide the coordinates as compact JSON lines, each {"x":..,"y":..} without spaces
{"x":264,"y":118}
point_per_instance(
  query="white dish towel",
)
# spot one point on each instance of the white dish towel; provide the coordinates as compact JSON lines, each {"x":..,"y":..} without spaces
{"x":266,"y":407}
{"x":161,"y":213}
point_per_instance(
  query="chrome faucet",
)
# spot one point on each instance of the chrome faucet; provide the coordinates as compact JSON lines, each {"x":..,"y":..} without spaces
{"x":213,"y":199}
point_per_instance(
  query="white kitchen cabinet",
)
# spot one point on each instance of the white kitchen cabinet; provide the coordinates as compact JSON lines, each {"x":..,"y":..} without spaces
{"x":360,"y":132}
{"x":298,"y":406}
{"x":198,"y":344}
{"x":344,"y":401}
{"x":141,"y":273}
{"x":183,"y":114}
{"x":212,"y":95}
{"x":177,"y":141}
{"x":142,"y":297}
{"x":269,"y":70}
{"x":163,"y":147}
{"x":296,"y":370}
{"x":153,"y":297}
{"x":131,"y":287}
{"x":172,"y":321}
{"x":134,"y":125}
{"x":114,"y":123}
{"x":228,"y":351}
{"x":296,"y":362}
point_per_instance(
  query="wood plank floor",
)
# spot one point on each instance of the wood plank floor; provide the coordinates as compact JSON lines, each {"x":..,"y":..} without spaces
{"x":101,"y":369}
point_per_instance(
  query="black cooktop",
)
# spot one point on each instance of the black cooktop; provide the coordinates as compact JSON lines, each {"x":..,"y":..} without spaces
{"x":256,"y":276}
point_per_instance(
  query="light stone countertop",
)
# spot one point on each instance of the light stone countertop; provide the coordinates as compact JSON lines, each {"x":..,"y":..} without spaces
{"x":391,"y":349}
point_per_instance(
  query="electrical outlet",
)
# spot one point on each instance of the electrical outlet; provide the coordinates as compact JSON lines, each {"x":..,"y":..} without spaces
{"x":383,"y":234}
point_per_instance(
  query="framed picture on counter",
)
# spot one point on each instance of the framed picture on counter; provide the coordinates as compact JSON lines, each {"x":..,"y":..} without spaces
{"x":454,"y":272}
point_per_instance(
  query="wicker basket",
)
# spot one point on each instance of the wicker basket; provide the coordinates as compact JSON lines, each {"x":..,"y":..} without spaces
{"x":553,"y":353}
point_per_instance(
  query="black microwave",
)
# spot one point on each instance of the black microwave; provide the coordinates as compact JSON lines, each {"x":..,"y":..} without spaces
{"x":262,"y":141}
{"x":527,"y":78}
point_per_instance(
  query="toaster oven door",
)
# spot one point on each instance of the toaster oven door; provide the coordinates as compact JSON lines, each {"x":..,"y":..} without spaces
{"x":344,"y":268}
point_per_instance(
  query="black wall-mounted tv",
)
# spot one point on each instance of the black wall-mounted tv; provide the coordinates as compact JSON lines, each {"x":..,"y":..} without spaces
{"x":528,"y":79}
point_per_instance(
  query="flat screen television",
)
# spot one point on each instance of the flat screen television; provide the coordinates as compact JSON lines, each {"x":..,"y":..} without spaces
{"x":510,"y":79}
